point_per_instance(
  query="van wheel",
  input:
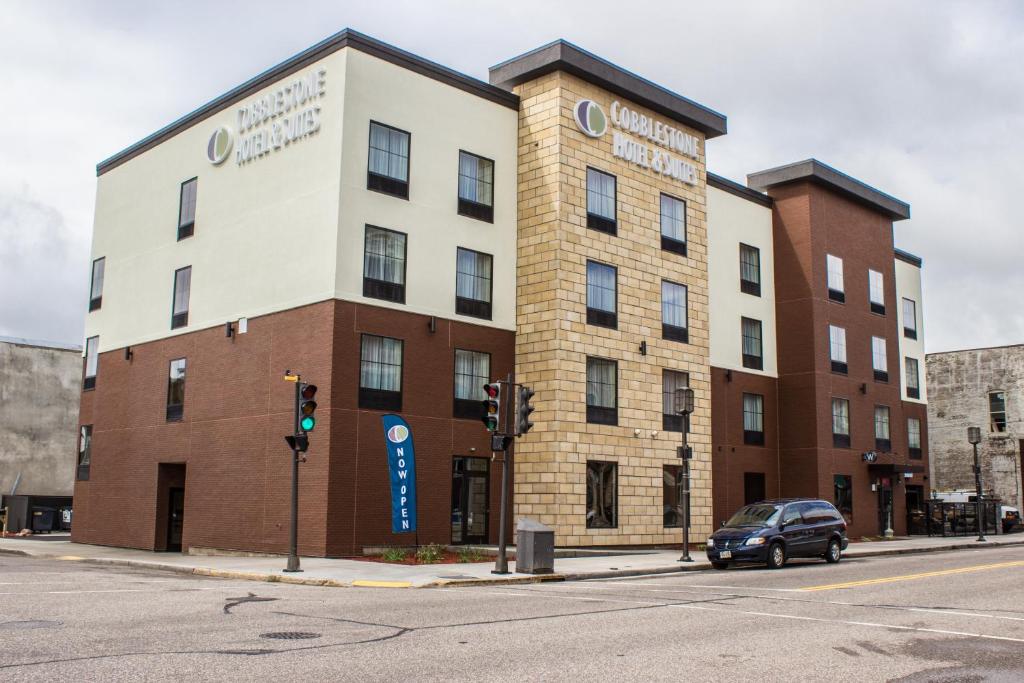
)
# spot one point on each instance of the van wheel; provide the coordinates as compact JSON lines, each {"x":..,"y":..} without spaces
{"x":719,"y":565}
{"x":776,"y":556}
{"x":834,"y":553}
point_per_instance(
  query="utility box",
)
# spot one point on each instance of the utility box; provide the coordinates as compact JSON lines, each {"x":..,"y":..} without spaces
{"x":535,"y":548}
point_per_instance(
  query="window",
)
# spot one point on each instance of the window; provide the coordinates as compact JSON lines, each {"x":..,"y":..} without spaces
{"x":913,"y":386}
{"x":182,"y":290}
{"x":840,"y":423}
{"x":997,"y":411}
{"x":91,"y":362}
{"x":914,"y":437}
{"x":843,"y":496}
{"x":96,"y":287}
{"x":601,"y":301}
{"x":753,"y":419}
{"x":600,"y":201}
{"x":879,"y":359}
{"x":388,"y":170}
{"x":384,"y":264}
{"x":673,"y":494}
{"x":674,"y":323}
{"x":476,"y":187}
{"x":753,"y":487}
{"x":835,"y":278}
{"x":673,"y":224}
{"x":671,"y":381}
{"x":473,"y":283}
{"x":84,"y":452}
{"x":837,"y":349}
{"x":752,"y":353}
{"x":876,"y":292}
{"x":882,"y":440}
{"x":602,"y":495}
{"x":176,"y":391}
{"x":602,"y":402}
{"x":187,"y":209}
{"x":472,"y":372}
{"x":750,"y":270}
{"x":380,"y":373}
{"x":909,"y":319}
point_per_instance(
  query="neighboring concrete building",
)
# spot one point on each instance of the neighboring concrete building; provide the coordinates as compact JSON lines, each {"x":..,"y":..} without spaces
{"x":978,"y":388}
{"x":40,"y":387}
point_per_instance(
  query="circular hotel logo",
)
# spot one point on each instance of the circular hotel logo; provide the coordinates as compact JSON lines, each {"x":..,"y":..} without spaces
{"x":590,"y":118}
{"x":219,"y":146}
{"x":398,"y":434}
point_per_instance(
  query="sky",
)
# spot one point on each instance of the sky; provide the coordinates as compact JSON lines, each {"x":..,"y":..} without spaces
{"x":921,"y":99}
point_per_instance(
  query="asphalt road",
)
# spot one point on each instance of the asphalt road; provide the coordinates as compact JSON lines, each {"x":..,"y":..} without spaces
{"x":955,"y":616}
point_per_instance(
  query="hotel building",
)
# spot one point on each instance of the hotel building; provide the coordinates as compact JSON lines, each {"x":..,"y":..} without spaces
{"x":401,"y":234}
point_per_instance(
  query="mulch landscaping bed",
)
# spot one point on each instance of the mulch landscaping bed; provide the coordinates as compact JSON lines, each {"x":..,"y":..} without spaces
{"x":446,"y":558}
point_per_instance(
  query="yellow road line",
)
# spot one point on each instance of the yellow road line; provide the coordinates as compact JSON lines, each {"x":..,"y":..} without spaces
{"x":383,"y":584}
{"x":911,"y":577}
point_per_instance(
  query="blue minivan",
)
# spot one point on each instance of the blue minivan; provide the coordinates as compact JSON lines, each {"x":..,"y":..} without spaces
{"x":773,"y":531}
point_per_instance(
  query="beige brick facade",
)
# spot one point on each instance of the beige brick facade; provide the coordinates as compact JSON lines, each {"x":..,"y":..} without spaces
{"x":554,"y":340}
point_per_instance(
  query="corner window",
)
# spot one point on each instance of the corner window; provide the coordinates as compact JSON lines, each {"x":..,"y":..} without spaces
{"x":879,"y":359}
{"x":914,"y":438}
{"x":601,"y":201}
{"x":384,"y":264}
{"x":473,"y":283}
{"x":176,"y":391}
{"x":674,"y":318}
{"x":997,"y":411}
{"x":672,"y":497}
{"x":380,"y":373}
{"x":602,"y":391}
{"x":836,"y":292}
{"x":92,"y":359}
{"x":752,"y":348}
{"x":187,"y":208}
{"x":909,"y":319}
{"x":876,"y":292}
{"x":913,"y":380}
{"x":388,"y":170}
{"x":182,"y":291}
{"x":750,"y":270}
{"x":842,"y":485}
{"x":472,"y":372}
{"x":672,"y":381}
{"x":753,"y":419}
{"x":96,"y":286}
{"x":882,"y":439}
{"x":476,"y":187}
{"x":601,"y":295}
{"x":840,"y":423}
{"x":84,"y":452}
{"x":602,"y":495}
{"x":673,"y":224}
{"x":837,"y":349}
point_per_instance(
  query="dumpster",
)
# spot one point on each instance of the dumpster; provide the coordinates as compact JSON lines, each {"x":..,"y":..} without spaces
{"x":44,"y":519}
{"x":535,"y":548}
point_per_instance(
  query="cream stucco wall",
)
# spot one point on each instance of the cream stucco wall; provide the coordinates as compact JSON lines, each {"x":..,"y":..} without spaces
{"x":908,"y":285}
{"x":732,"y":220}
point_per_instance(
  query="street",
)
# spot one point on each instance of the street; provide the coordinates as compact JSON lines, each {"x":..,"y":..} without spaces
{"x":933,"y":617}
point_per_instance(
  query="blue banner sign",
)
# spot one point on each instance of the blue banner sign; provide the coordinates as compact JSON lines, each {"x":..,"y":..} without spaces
{"x":402,"y":465}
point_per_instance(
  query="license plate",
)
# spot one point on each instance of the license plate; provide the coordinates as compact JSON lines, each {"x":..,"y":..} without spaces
{"x":725,"y":554}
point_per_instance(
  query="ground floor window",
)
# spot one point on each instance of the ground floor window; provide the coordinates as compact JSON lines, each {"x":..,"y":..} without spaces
{"x":843,"y":484}
{"x":602,"y":495}
{"x":672,"y":497}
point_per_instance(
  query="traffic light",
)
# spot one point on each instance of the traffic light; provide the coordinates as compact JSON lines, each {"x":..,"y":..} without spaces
{"x":307,"y":406}
{"x":523,"y":410}
{"x":492,"y":406}
{"x":298,"y":442}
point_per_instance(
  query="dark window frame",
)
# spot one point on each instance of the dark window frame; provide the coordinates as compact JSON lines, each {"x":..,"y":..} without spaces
{"x":883,"y":444}
{"x":912,"y":391}
{"x":837,"y":295}
{"x":383,"y":289}
{"x":175,"y":411}
{"x":89,"y":381}
{"x":468,"y":207}
{"x":603,"y":415}
{"x":381,"y":399}
{"x":614,"y":523}
{"x":186,"y":229}
{"x":599,"y":316}
{"x":840,"y":439}
{"x":673,"y":422}
{"x":909,"y":332}
{"x":84,"y":462}
{"x":749,"y":286}
{"x":751,"y":361}
{"x":675,"y":332}
{"x":386,"y":184}
{"x":752,"y":437}
{"x":467,"y":408}
{"x":179,"y":320}
{"x":598,"y":222}
{"x":671,"y":244}
{"x":475,"y":308}
{"x":95,"y":302}
{"x":878,"y":308}
{"x":997,"y":425}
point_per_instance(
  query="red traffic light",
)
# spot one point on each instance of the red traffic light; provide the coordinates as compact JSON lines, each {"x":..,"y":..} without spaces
{"x":492,"y":390}
{"x":308,"y":391}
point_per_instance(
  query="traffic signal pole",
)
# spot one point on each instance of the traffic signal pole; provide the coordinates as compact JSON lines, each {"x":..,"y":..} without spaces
{"x":501,"y":564}
{"x":293,"y":532}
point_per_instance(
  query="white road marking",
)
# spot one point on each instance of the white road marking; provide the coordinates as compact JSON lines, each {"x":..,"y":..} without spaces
{"x":523,"y":594}
{"x":114,"y":590}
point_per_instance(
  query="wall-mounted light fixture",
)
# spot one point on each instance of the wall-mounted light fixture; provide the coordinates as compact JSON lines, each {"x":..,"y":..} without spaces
{"x":128,"y":353}
{"x":636,"y":432}
{"x":643,"y":348}
{"x":863,"y":388}
{"x":728,"y":375}
{"x":432,"y":324}
{"x":229,"y":330}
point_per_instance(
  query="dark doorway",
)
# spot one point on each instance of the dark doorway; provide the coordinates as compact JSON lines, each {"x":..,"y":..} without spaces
{"x":170,"y":507}
{"x":175,"y":519}
{"x":916,"y":523}
{"x":885,"y":507}
{"x":753,"y":487}
{"x":470,"y":485}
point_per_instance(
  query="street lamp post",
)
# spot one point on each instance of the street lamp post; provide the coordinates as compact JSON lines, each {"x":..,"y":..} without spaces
{"x":974,"y":438}
{"x":684,"y":406}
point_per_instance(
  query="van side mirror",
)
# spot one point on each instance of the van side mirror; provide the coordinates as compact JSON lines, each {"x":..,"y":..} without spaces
{"x":723,"y":522}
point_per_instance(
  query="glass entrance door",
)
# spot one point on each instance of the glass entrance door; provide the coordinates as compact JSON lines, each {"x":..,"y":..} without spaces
{"x":469,"y":500}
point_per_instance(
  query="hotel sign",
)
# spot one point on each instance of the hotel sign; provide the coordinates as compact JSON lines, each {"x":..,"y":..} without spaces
{"x":666,"y":142}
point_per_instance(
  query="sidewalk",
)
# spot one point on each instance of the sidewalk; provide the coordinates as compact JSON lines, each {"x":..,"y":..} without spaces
{"x":336,"y":572}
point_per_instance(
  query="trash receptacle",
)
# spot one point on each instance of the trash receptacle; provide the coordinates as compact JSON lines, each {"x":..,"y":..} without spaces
{"x":535,"y":548}
{"x":43,"y":519}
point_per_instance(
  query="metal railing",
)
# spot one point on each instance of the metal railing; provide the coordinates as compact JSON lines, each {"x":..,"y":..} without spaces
{"x":942,"y":518}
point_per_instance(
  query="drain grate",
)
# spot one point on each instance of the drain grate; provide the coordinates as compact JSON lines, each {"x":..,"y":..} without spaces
{"x":290,"y":635}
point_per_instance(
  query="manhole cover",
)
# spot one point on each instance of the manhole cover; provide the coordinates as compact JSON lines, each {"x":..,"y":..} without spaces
{"x":290,"y":635}
{"x":20,"y":625}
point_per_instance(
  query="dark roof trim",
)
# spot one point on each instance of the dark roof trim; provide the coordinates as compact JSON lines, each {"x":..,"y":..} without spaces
{"x":907,"y":257}
{"x":823,"y":174}
{"x":735,"y":188}
{"x":562,"y":55}
{"x":340,"y":40}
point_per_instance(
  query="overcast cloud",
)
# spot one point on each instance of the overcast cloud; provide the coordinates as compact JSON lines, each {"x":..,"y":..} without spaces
{"x":924,"y":100}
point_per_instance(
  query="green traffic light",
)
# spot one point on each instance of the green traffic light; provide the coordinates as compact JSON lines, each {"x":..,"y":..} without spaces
{"x":307,"y":423}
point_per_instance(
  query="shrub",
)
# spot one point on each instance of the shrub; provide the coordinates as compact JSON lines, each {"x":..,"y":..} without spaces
{"x":430,"y":553}
{"x":471,"y":555}
{"x":394,"y":554}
